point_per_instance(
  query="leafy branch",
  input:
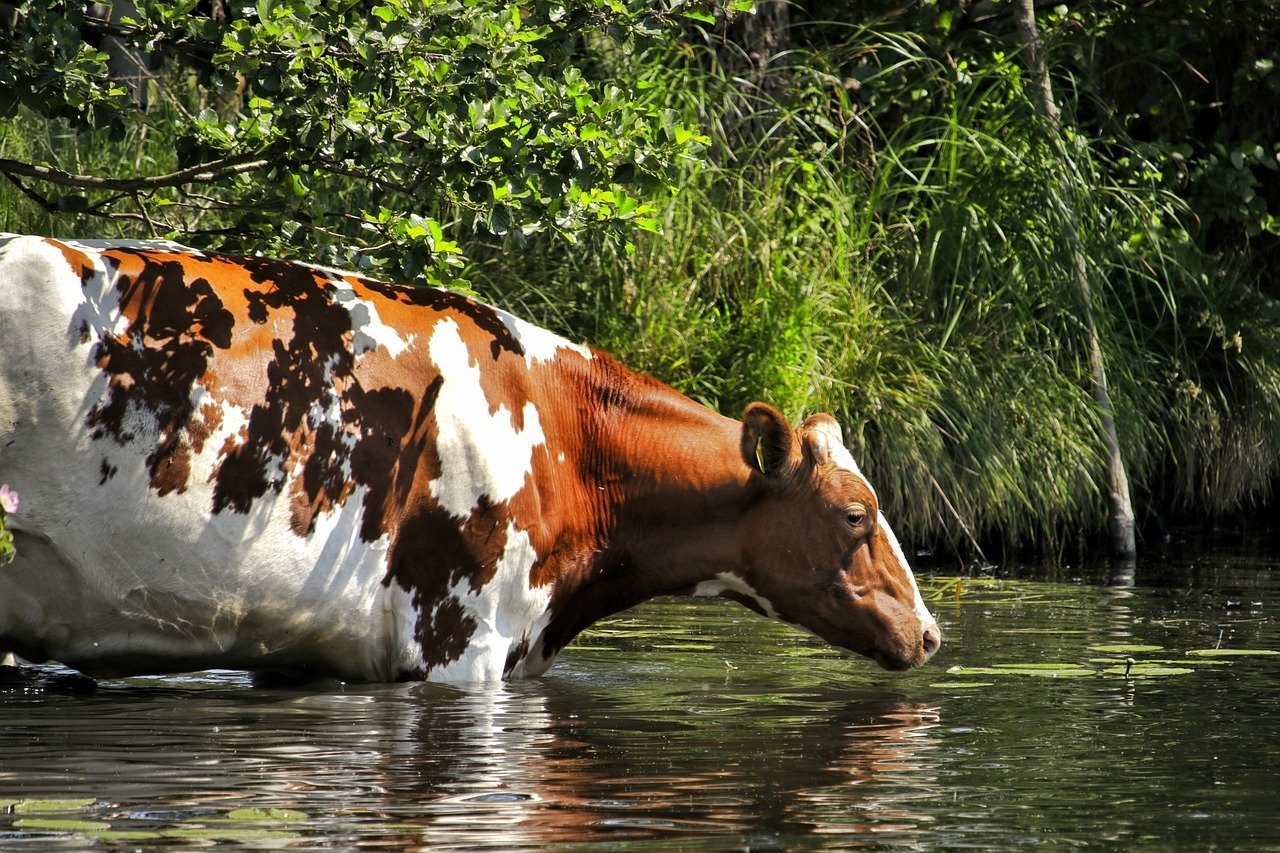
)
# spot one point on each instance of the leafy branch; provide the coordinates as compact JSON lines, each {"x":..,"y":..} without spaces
{"x":323,"y":129}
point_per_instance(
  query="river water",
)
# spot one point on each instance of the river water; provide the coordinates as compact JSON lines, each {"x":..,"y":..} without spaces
{"x":686,"y":725}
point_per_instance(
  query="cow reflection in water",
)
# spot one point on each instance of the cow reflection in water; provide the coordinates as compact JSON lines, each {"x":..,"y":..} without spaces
{"x":536,"y":764}
{"x":549,"y":767}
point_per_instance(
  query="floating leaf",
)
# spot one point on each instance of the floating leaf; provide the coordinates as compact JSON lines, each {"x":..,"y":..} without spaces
{"x":1148,"y":669}
{"x":963,"y":685}
{"x":1044,"y":670}
{"x":60,"y":824}
{"x":1126,"y":649}
{"x":51,"y":806}
{"x":1232,"y":653}
{"x":122,"y":834}
{"x":226,"y":833}
{"x":1184,"y":662}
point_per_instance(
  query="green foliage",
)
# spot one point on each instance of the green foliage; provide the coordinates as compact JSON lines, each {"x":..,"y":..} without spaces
{"x":356,"y":133}
{"x":1195,"y":85}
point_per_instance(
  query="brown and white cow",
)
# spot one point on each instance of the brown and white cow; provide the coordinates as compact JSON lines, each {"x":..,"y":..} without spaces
{"x":247,"y":463}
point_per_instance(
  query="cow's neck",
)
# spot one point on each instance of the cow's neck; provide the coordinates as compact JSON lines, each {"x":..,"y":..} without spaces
{"x":671,"y":491}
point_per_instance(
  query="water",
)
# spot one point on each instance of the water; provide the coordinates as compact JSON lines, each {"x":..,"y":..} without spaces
{"x":698,"y":725}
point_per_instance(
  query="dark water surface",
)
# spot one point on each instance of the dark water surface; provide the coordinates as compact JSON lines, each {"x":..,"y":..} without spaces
{"x":698,"y":725}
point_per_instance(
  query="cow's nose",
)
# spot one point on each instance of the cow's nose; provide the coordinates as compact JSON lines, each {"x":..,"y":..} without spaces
{"x":932,"y":640}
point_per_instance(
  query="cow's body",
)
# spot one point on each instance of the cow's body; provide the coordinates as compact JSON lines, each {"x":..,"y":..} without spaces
{"x":245,"y":463}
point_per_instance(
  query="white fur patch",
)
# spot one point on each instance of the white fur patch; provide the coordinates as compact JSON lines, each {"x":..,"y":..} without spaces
{"x":482,"y":453}
{"x":94,"y":247}
{"x":727,"y":581}
{"x":538,"y":344}
{"x":922,"y":611}
{"x":506,"y":611}
{"x":834,"y":443}
{"x":368,"y":332}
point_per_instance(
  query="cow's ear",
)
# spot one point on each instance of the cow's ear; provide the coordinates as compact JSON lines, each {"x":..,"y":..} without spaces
{"x":769,"y":444}
{"x":821,"y":435}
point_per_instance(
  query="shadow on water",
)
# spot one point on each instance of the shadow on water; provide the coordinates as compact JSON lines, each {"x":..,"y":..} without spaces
{"x":692,"y":724}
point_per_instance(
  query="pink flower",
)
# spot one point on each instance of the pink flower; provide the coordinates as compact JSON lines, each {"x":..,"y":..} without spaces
{"x":8,"y":500}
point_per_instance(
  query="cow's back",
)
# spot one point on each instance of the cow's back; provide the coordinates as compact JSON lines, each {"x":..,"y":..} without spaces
{"x":244,"y":462}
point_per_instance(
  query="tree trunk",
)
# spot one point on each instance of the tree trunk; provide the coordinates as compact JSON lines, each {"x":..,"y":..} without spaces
{"x":137,"y":71}
{"x":746,"y":49}
{"x":1123,"y":542}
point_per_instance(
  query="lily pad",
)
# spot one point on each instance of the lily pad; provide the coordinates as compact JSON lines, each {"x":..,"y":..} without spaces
{"x":1145,"y":670}
{"x":1232,"y":653}
{"x":52,"y":806}
{"x":1065,"y":672}
{"x":1126,"y":648}
{"x":123,"y":834}
{"x":60,"y":824}
{"x":1192,"y":662}
{"x":1042,"y":670}
{"x":226,"y":833}
{"x":961,"y":685}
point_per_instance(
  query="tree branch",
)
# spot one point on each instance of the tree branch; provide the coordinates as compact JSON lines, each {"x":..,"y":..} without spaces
{"x":44,"y":203}
{"x":203,"y":174}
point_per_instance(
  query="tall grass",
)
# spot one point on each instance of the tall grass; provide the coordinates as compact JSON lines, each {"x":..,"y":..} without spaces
{"x":898,"y":258}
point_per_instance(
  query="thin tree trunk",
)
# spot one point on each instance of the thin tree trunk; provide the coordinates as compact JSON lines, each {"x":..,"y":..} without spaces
{"x":747,"y":49}
{"x":1123,"y":542}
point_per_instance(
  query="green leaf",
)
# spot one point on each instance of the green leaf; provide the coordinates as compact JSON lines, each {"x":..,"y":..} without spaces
{"x":1148,"y":670}
{"x":53,"y":806}
{"x":697,"y":15}
{"x":60,"y":824}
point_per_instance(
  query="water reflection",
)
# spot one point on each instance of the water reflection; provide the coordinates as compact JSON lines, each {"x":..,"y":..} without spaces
{"x":526,"y":762}
{"x":540,"y":764}
{"x":1124,"y":573}
{"x":887,"y":752}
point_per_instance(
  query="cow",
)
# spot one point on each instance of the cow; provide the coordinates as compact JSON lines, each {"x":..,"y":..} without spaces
{"x":253,"y":464}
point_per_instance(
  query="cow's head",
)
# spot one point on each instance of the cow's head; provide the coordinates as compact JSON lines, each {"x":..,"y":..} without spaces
{"x":819,"y":553}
